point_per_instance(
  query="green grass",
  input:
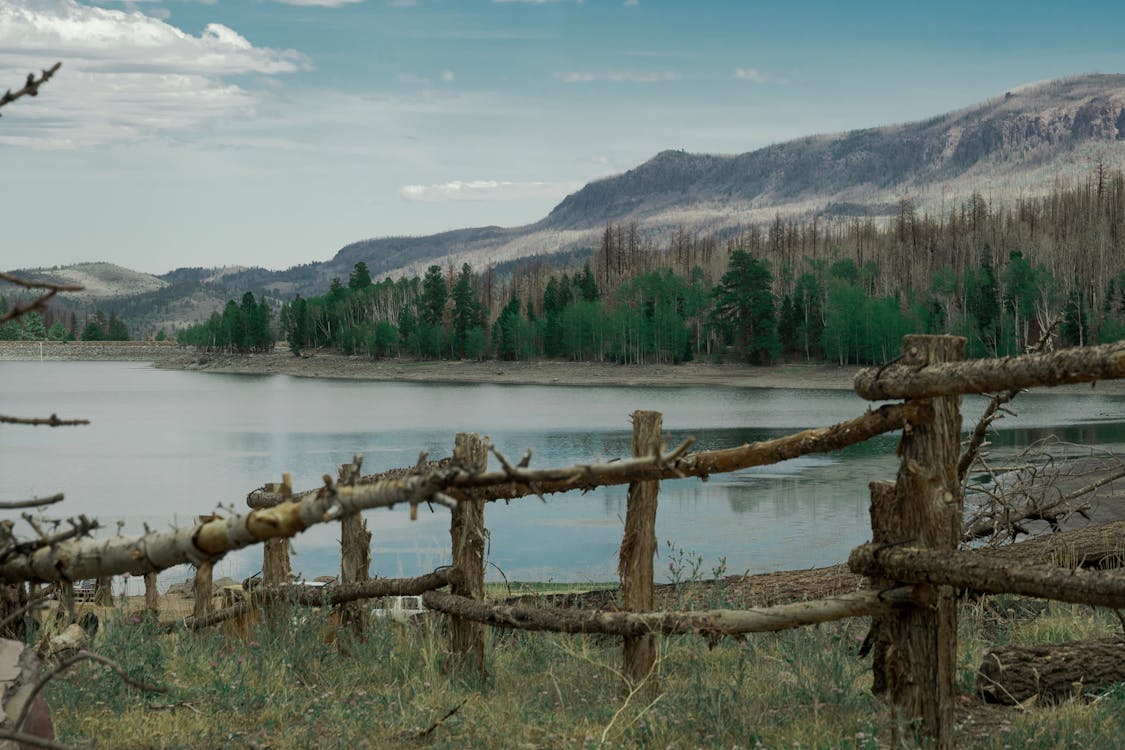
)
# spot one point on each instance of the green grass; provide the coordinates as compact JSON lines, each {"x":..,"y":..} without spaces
{"x":284,"y":687}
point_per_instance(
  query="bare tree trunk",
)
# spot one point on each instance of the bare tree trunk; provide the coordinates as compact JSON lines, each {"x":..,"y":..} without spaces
{"x":276,"y":570}
{"x":638,"y":548}
{"x":203,"y":588}
{"x":920,"y":658}
{"x":467,"y":532}
{"x":151,"y":595}
{"x":355,"y":551}
{"x":103,"y":591}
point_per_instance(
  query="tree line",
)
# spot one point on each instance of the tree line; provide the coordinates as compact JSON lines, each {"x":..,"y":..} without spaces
{"x":33,"y":326}
{"x":245,"y":327}
{"x":842,"y":291}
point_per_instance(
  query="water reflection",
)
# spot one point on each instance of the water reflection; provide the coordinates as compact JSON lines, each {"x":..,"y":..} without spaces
{"x":165,"y":446}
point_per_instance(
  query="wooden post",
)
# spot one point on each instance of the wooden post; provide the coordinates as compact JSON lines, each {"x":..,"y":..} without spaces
{"x":151,"y":596}
{"x":103,"y":591}
{"x":638,"y":548}
{"x":917,"y":661}
{"x":66,"y":602}
{"x":355,"y":551}
{"x":276,"y":570}
{"x":203,"y":589}
{"x":467,"y":532}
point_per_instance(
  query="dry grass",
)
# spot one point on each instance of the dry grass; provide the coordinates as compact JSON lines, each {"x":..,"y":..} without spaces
{"x":283,"y":687}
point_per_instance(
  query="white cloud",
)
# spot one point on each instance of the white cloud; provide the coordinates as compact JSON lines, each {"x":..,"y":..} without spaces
{"x":756,"y":76}
{"x":619,"y":76}
{"x":485,"y":190}
{"x":447,"y":76}
{"x":125,"y":74}
{"x":320,"y":3}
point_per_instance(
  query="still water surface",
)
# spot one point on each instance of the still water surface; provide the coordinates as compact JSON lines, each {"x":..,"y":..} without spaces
{"x":164,"y":446}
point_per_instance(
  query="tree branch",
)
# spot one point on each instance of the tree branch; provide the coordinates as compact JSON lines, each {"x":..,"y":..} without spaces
{"x":31,"y":86}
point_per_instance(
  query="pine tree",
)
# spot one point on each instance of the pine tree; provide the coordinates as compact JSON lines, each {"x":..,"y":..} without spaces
{"x":744,"y":308}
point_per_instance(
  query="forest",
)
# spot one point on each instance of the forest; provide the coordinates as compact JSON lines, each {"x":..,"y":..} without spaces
{"x":841,"y":291}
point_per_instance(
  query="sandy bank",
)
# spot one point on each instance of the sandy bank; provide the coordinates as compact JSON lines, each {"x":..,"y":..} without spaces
{"x":330,"y":365}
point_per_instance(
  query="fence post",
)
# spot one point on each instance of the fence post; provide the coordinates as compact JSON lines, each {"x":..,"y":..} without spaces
{"x":203,"y":589}
{"x":355,"y":550}
{"x":466,"y":529}
{"x":638,"y":548}
{"x":917,"y":655}
{"x":151,"y":596}
{"x":103,"y":591}
{"x":276,"y":570}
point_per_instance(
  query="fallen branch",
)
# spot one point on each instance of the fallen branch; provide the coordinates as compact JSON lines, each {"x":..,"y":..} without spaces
{"x":51,"y":421}
{"x":1051,"y":672}
{"x":709,"y":623}
{"x":328,"y":597}
{"x":1076,"y":365}
{"x":974,"y":571}
{"x":34,"y":502}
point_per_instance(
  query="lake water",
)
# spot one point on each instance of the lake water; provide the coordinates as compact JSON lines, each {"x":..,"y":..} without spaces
{"x":165,"y":446}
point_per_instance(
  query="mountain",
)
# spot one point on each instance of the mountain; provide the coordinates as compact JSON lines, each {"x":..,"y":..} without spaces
{"x":1020,"y":143}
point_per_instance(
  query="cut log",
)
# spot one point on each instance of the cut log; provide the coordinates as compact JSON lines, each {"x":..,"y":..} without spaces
{"x":467,"y":534}
{"x":1053,"y":672}
{"x":638,"y":548}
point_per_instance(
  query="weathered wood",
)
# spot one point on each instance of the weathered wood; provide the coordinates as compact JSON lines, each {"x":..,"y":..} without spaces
{"x":920,"y":657}
{"x":1099,"y":546}
{"x":276,"y":567}
{"x":355,"y":550}
{"x":467,"y":533}
{"x":328,"y":597}
{"x":638,"y":548}
{"x":886,"y":525}
{"x":19,"y":675}
{"x":202,"y":588}
{"x":707,"y":623}
{"x":498,"y":485}
{"x":152,"y":596}
{"x":103,"y":591}
{"x":975,"y":571}
{"x":1075,"y":365}
{"x":1051,"y":672}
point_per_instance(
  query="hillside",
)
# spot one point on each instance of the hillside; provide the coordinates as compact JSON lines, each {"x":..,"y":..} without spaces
{"x":1020,"y":143}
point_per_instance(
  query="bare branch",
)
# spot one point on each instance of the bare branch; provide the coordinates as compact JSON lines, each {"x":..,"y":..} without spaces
{"x":51,"y":421}
{"x":31,"y":86}
{"x":34,"y":502}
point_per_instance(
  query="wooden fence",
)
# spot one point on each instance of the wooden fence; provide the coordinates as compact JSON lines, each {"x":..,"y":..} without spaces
{"x":912,"y":565}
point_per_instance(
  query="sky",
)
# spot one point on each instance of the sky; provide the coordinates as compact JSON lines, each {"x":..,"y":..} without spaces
{"x":274,"y":132}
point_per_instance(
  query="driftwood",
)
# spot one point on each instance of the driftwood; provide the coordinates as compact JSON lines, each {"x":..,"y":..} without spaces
{"x":975,"y":571}
{"x":709,"y":623}
{"x":1077,"y":365}
{"x":1052,"y":672}
{"x":327,"y":597}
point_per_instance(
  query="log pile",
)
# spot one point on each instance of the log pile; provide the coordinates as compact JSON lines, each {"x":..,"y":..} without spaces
{"x":1052,"y":672}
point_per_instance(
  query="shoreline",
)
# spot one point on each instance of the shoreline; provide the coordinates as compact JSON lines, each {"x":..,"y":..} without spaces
{"x":497,"y":372}
{"x":330,"y":365}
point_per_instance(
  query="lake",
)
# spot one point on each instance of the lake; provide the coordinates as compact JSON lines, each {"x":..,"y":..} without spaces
{"x":165,"y":446}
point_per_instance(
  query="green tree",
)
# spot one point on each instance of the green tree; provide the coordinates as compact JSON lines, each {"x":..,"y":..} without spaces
{"x":467,"y":314}
{"x":744,"y":310}
{"x":32,"y":327}
{"x":435,"y":294}
{"x":359,"y":278}
{"x":58,"y":332}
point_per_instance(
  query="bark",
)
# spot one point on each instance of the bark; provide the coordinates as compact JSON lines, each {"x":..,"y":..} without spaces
{"x":919,"y":644}
{"x":1076,"y":365}
{"x":355,"y":550}
{"x":209,"y":540}
{"x":976,"y":571}
{"x":1099,"y":547}
{"x":1053,"y":672}
{"x":19,"y":674}
{"x":332,"y":596}
{"x":103,"y":591}
{"x":467,"y":533}
{"x":707,"y":623}
{"x":276,"y":568}
{"x":203,"y":589}
{"x":152,"y":597}
{"x":638,"y":548}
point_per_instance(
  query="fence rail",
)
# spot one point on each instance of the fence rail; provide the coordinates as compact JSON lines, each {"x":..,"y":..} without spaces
{"x":912,"y":563}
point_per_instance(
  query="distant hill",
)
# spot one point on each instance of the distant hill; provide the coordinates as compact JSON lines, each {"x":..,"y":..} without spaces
{"x":1018,"y":143}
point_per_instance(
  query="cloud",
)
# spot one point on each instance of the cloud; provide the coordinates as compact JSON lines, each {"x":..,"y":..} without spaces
{"x":756,"y":76}
{"x":485,"y":190}
{"x":619,"y":76}
{"x":320,"y":3}
{"x":125,"y":74}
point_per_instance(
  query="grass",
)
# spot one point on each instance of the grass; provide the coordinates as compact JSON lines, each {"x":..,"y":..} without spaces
{"x":282,"y":686}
